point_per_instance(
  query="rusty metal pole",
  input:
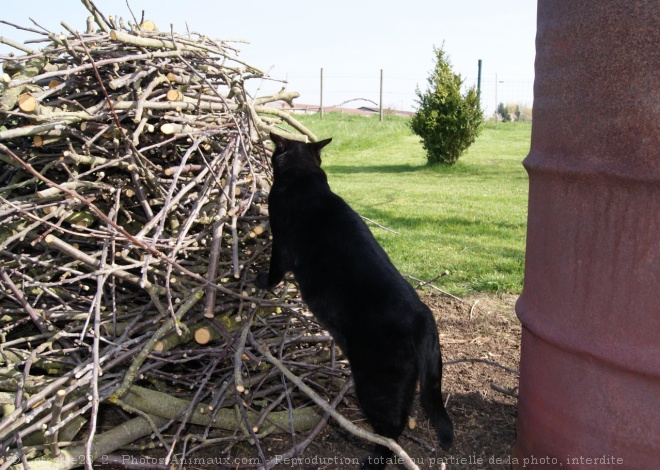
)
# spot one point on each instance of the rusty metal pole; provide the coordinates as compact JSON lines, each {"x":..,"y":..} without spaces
{"x":590,"y":308}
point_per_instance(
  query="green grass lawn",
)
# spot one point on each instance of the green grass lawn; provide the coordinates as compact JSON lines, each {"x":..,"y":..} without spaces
{"x":469,"y":219}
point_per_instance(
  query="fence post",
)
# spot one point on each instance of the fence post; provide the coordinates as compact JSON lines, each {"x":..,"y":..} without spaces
{"x":496,"y":103}
{"x":479,"y":83}
{"x":321,"y":104}
{"x":381,"y":95}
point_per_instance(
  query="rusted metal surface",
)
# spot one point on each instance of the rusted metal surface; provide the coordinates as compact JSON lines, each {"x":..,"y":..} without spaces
{"x":590,"y":308}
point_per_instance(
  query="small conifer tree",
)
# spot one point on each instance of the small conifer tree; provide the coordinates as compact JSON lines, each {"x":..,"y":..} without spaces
{"x":447,"y":121}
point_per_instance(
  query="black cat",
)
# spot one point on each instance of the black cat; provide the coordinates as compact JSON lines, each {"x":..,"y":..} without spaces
{"x":349,"y":283}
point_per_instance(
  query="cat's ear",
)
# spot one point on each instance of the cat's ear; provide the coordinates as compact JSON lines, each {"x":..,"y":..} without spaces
{"x":279,"y":141}
{"x":316,"y":148}
{"x":320,"y":144}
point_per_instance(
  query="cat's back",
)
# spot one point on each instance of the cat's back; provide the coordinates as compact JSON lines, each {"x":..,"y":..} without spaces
{"x":339,"y":253}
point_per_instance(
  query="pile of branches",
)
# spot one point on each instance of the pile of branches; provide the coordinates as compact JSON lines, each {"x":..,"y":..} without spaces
{"x":133,"y":218}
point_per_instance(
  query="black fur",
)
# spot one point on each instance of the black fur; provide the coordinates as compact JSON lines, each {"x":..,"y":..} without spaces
{"x":349,"y":283}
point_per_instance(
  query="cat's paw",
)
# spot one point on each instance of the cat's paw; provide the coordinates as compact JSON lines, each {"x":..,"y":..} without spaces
{"x":261,"y":281}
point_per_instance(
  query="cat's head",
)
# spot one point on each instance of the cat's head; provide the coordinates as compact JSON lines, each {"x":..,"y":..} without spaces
{"x":296,"y":156}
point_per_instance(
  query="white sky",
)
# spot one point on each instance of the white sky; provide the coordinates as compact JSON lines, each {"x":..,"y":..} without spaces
{"x":351,"y":40}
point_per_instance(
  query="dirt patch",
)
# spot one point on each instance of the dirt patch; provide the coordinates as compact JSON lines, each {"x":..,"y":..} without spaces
{"x":483,"y":329}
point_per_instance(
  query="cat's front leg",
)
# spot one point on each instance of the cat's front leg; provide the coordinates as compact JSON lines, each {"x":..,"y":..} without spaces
{"x":275,"y":272}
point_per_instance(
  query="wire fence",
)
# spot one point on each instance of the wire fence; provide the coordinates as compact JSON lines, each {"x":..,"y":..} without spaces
{"x":398,"y":91}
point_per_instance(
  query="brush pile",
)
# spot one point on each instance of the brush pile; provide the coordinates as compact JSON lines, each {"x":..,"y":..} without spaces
{"x":133,"y":217}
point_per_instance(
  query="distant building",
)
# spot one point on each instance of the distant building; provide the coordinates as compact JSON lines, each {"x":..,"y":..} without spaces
{"x":314,"y":108}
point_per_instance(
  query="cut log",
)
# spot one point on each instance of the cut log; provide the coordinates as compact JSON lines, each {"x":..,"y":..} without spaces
{"x":50,"y":137}
{"x":171,"y":128}
{"x":27,"y":103}
{"x":174,"y":95}
{"x":203,"y":336}
{"x":148,"y":25}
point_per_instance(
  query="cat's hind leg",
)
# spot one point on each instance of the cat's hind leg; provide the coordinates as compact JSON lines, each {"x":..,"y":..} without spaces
{"x":386,"y":403}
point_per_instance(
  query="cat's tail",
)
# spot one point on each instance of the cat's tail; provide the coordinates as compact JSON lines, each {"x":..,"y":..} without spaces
{"x":430,"y":375}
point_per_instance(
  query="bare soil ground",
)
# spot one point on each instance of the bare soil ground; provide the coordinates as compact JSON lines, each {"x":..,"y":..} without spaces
{"x":482,"y":328}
